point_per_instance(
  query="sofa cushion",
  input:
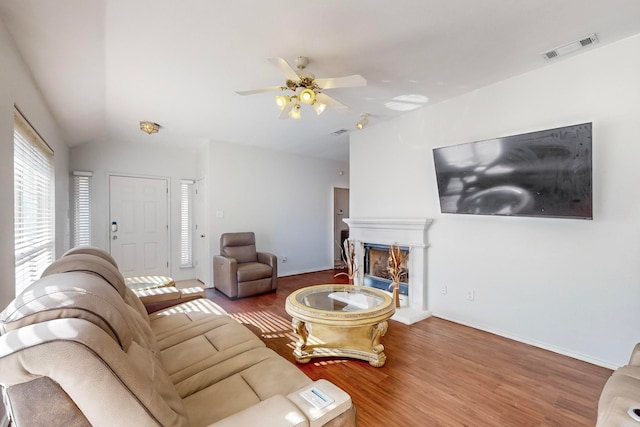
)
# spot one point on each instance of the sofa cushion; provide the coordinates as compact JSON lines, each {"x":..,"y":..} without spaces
{"x":241,"y":253}
{"x":253,"y":271}
{"x":91,"y":264}
{"x":110,"y":386}
{"x":203,"y":344}
{"x":70,"y":295}
{"x":238,"y":383}
{"x":92,"y":250}
{"x":82,"y":296}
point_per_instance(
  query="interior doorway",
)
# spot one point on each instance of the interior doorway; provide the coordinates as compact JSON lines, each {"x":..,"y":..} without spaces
{"x":340,"y":229}
{"x":138,"y":225}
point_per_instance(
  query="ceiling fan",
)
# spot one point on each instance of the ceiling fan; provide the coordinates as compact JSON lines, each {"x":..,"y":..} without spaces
{"x":306,"y":88}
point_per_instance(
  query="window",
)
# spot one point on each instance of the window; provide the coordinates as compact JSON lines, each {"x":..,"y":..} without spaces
{"x":186,"y":221}
{"x":81,"y":208}
{"x":33,"y":203}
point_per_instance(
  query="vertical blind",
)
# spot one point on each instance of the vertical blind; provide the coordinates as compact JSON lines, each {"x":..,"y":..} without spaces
{"x":82,"y":208}
{"x":33,"y":203}
{"x":186,"y":223}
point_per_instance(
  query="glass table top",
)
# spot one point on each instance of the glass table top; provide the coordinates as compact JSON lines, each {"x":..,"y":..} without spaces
{"x":339,"y":298}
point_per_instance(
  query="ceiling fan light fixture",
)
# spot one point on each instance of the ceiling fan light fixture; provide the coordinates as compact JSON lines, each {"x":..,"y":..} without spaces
{"x":149,"y":127}
{"x":282,"y":101}
{"x":307,"y":96}
{"x":319,"y":107}
{"x":295,"y":112}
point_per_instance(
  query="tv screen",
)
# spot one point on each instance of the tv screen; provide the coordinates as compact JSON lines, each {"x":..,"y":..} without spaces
{"x":545,"y":173}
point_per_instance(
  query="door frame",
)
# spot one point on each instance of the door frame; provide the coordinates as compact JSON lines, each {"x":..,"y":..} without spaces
{"x":337,"y":219}
{"x":204,"y":227}
{"x":167,"y":208}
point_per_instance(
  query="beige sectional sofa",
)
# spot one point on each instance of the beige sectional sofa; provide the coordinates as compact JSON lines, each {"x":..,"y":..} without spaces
{"x":620,"y":394}
{"x":78,"y":348}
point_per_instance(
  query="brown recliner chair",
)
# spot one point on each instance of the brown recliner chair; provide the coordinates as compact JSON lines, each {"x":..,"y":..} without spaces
{"x":241,"y":271}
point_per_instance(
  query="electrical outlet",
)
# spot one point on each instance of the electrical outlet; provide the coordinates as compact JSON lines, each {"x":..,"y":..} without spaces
{"x":470,"y":295}
{"x":443,"y":290}
{"x":284,"y":258}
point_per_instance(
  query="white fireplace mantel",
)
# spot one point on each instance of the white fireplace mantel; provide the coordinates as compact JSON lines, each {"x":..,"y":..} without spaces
{"x":410,"y":233}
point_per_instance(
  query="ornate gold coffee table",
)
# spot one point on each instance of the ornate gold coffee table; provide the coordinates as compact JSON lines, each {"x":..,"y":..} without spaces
{"x":340,"y":321}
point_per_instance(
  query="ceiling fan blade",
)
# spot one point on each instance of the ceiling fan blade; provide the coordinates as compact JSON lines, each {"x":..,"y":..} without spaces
{"x":266,"y":89}
{"x":336,"y":105}
{"x":346,"y":81}
{"x":285,"y":68}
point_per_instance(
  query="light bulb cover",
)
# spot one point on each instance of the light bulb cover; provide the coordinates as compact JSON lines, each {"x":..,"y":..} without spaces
{"x":295,"y":112}
{"x":307,"y":96}
{"x":282,"y":101}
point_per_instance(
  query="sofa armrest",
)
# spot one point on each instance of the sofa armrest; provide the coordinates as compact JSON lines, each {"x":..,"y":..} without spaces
{"x":340,"y":403}
{"x":276,"y":411}
{"x":225,"y":275}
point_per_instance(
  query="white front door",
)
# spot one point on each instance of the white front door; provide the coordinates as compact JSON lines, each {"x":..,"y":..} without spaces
{"x":203,"y":266}
{"x":138,"y":225}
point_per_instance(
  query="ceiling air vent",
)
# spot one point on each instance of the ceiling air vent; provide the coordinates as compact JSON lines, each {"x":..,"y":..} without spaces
{"x":571,"y":47}
{"x":339,"y":132}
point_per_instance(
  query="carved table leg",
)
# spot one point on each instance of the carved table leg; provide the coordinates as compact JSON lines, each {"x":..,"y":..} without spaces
{"x":300,"y":329}
{"x":376,"y":333}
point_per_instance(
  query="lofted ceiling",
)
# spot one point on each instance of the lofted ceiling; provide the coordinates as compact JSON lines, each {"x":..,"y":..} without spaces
{"x":104,"y":65}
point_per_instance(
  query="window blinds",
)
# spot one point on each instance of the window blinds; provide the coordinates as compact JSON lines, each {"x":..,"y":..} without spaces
{"x":33,"y":203}
{"x":186,"y":223}
{"x":81,"y":208}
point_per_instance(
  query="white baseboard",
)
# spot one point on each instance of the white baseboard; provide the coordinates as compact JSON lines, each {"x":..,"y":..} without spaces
{"x":310,"y":270}
{"x":534,"y":343}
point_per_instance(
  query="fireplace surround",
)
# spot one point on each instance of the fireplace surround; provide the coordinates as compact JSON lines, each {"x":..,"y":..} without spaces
{"x":409,"y":233}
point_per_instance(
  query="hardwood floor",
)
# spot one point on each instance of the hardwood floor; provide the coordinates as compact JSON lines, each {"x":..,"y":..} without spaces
{"x":438,"y":373}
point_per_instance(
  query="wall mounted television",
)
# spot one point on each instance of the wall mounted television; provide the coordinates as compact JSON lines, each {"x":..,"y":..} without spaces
{"x":537,"y":174}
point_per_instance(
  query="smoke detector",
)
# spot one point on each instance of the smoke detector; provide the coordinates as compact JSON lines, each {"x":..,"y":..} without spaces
{"x":571,"y":47}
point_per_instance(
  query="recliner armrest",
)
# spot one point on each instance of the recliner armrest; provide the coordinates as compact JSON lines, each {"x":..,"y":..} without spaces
{"x":225,"y":275}
{"x":268,"y":258}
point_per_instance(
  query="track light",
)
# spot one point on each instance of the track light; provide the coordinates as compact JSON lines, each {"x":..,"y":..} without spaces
{"x":307,"y":96}
{"x":295,"y":112}
{"x":282,"y":101}
{"x":363,"y":121}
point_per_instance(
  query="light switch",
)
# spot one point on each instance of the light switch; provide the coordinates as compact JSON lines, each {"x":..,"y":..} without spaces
{"x":219,"y":214}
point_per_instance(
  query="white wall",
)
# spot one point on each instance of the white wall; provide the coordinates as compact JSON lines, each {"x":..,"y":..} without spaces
{"x":286,"y":199}
{"x":17,"y":87}
{"x":571,"y":286}
{"x":147,"y":159}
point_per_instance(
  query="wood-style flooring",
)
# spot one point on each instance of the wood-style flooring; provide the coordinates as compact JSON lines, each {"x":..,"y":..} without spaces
{"x":438,"y":373}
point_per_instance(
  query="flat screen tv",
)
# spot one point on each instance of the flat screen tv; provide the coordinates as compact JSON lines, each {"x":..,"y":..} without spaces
{"x":537,"y":174}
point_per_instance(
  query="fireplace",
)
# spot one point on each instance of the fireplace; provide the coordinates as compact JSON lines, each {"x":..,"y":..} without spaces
{"x":409,"y":234}
{"x":376,"y":275}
